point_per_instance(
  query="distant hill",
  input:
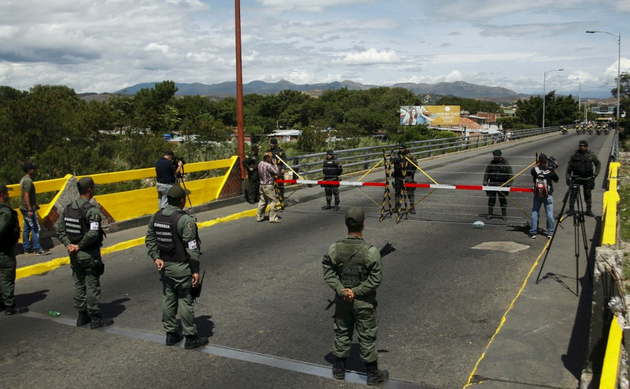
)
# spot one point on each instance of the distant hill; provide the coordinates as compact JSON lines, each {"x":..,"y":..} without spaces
{"x":228,"y":89}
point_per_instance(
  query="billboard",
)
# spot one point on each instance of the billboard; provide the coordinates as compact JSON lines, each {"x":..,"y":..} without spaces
{"x":431,"y":115}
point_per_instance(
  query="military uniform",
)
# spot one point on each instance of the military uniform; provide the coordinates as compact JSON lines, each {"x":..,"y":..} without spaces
{"x":332,"y":170}
{"x":9,"y":236}
{"x":580,"y":168}
{"x":250,"y":163}
{"x":81,"y":226}
{"x":498,"y":173}
{"x":276,"y":152}
{"x":172,"y":238}
{"x":404,"y":172}
{"x":353,"y":264}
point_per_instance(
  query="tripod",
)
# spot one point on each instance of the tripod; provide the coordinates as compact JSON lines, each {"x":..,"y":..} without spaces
{"x":180,"y":180}
{"x":579,"y":231}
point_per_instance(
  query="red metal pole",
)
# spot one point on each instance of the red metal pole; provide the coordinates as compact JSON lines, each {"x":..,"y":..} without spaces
{"x":240,"y":126}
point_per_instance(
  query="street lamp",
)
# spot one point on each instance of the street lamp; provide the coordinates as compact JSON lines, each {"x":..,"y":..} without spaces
{"x":618,"y":37}
{"x":545,"y":92}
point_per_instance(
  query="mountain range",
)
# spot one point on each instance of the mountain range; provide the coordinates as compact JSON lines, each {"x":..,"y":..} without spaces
{"x":228,"y":89}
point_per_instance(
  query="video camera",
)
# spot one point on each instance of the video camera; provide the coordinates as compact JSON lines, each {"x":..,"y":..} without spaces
{"x":551,"y":162}
{"x":176,"y":160}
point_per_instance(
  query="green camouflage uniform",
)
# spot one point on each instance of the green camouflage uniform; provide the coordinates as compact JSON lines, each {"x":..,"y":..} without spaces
{"x":8,"y":264}
{"x":177,"y":276}
{"x":580,"y":166}
{"x":87,"y":285}
{"x":352,"y":263}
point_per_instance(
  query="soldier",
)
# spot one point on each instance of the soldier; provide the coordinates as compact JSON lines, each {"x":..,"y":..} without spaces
{"x":404,"y":170}
{"x":580,"y":169}
{"x":80,"y":231}
{"x":9,"y":236}
{"x":332,"y":170}
{"x":250,"y":163}
{"x":276,"y":151}
{"x":353,"y":269}
{"x":173,"y":243}
{"x":498,"y":172}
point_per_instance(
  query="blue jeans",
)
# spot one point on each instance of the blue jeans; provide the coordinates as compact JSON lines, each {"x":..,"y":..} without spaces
{"x":162,"y":190}
{"x":31,"y":227}
{"x":548,"y":202}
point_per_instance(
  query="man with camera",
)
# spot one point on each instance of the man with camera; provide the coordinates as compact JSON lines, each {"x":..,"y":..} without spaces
{"x":167,"y":169}
{"x":580,"y":172}
{"x":544,"y":174}
{"x":267,"y":170}
{"x":80,"y":231}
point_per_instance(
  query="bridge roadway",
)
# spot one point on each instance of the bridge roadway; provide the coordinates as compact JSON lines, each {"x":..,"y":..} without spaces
{"x":449,"y":311}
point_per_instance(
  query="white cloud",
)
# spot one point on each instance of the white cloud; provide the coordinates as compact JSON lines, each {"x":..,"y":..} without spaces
{"x":310,"y":6}
{"x":369,"y":57}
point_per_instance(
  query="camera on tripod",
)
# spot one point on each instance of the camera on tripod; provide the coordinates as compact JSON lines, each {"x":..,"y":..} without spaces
{"x":575,"y":183}
{"x":176,"y":160}
{"x":551,"y":163}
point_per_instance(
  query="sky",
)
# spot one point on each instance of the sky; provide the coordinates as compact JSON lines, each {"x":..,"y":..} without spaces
{"x":107,"y":45}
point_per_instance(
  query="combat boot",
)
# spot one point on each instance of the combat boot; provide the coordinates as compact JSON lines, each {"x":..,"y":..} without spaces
{"x":503,"y":213}
{"x":194,"y":341}
{"x":339,"y":369}
{"x":336,"y":206}
{"x":2,"y":307}
{"x":97,"y":321}
{"x":83,"y":318}
{"x":327,"y":206}
{"x":15,"y":310}
{"x":173,"y":338}
{"x":489,"y":215}
{"x":589,"y":212}
{"x":374,"y":375}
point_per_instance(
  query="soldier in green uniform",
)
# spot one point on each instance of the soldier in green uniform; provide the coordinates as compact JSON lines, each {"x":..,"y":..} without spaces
{"x":353,"y":269}
{"x":174,"y":245}
{"x":580,"y":169}
{"x":332,"y":170}
{"x":498,"y":173}
{"x":80,"y":231}
{"x":250,"y":163}
{"x":9,"y":236}
{"x":404,"y":170}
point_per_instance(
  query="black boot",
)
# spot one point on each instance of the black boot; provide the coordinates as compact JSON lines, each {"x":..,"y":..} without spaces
{"x":194,"y":341}
{"x":15,"y":310}
{"x":489,"y":215}
{"x":339,"y":368}
{"x":2,"y":307}
{"x":173,"y":338}
{"x":327,"y":206}
{"x":589,"y":212}
{"x":83,"y":319}
{"x":374,"y":375}
{"x":504,"y":213}
{"x":98,"y":321}
{"x":336,"y":206}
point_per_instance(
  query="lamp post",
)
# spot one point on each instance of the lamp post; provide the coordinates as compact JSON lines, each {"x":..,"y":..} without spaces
{"x":545,"y":93}
{"x":618,"y":38}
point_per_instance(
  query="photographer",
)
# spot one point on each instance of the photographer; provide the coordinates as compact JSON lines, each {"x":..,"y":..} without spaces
{"x":580,"y":172}
{"x":167,"y":169}
{"x":545,"y":173}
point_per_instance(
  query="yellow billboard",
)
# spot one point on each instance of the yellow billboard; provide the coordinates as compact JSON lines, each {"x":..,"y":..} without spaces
{"x":430,"y":115}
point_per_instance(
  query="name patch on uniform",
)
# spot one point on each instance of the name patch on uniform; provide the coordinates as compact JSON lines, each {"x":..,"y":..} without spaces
{"x":95,"y":226}
{"x":192,"y":245}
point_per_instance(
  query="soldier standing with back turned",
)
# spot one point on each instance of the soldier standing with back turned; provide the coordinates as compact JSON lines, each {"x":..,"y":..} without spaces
{"x":173,"y":244}
{"x":80,"y":231}
{"x":353,"y":269}
{"x":250,"y":163}
{"x":498,"y":173}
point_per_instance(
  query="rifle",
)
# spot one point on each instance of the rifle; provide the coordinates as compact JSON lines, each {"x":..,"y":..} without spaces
{"x":196,"y":292}
{"x":387,"y":249}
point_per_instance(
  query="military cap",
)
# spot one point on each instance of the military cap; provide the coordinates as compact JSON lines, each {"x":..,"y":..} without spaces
{"x":355,"y":217}
{"x":274,"y":141}
{"x":85,"y":183}
{"x":28,"y":166}
{"x":177,"y":192}
{"x":403,"y":144}
{"x":497,"y":153}
{"x":583,"y":142}
{"x":4,"y":188}
{"x":169,"y":152}
{"x":330,"y":152}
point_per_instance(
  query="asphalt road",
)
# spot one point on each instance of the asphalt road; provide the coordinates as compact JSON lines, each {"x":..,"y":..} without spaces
{"x":441,"y":301}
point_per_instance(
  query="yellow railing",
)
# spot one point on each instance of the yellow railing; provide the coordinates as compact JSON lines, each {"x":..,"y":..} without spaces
{"x":610,"y":204}
{"x":134,"y":203}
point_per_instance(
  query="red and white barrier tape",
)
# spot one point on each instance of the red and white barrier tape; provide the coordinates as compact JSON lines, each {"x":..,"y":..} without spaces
{"x":409,"y":185}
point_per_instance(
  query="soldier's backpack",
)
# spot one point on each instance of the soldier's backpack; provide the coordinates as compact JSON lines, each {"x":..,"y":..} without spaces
{"x":541,"y":188}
